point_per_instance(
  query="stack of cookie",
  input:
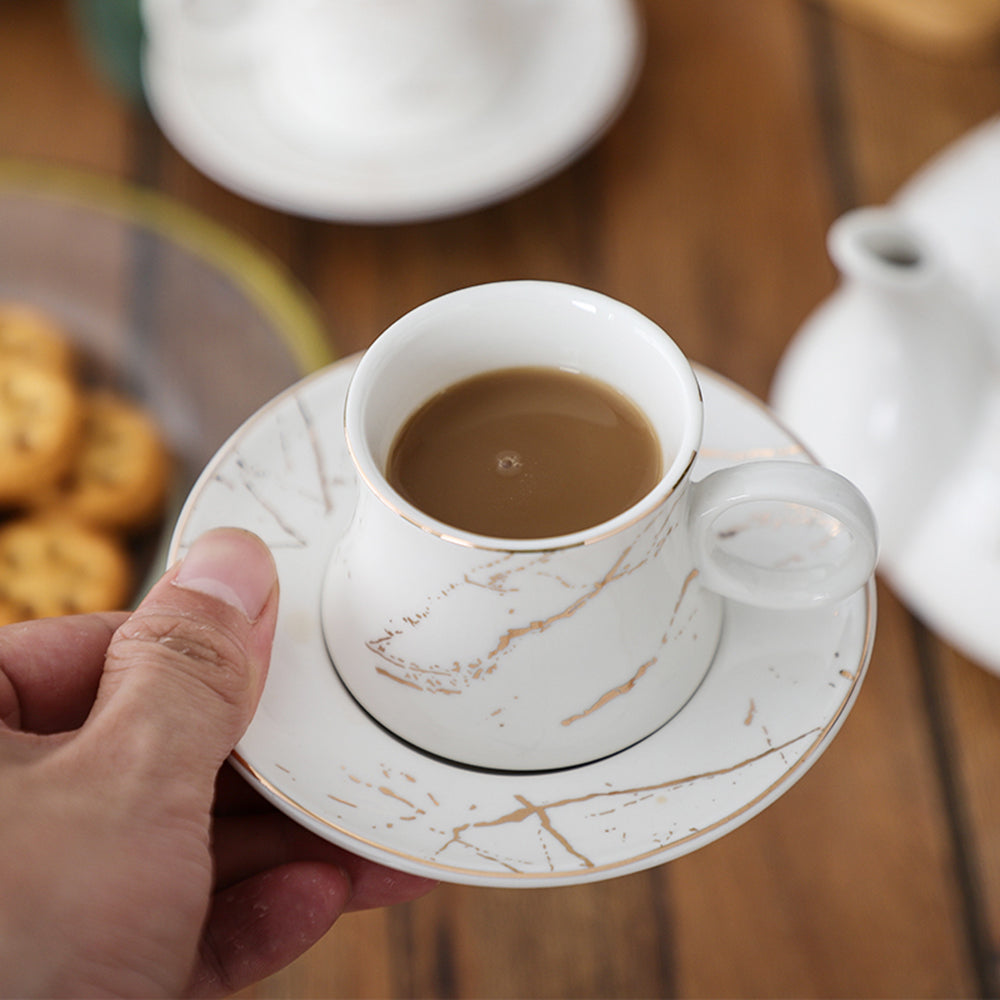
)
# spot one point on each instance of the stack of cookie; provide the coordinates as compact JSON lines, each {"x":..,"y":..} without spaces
{"x":82,"y":472}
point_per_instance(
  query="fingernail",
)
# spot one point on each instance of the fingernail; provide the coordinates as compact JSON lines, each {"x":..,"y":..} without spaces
{"x":231,"y":565}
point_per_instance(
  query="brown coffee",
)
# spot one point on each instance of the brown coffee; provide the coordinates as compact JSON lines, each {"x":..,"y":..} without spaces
{"x":525,"y":453}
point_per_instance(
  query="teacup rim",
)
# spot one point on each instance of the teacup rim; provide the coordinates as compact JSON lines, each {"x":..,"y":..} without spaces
{"x":673,"y":477}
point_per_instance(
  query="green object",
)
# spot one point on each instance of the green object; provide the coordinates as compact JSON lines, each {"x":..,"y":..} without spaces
{"x":111,"y":32}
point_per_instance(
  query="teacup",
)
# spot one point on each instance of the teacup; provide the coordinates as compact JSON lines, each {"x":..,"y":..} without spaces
{"x":348,"y":75}
{"x":543,"y":653}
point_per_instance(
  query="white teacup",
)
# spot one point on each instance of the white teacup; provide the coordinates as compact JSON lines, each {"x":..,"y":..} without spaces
{"x":530,"y":654}
{"x":348,"y":75}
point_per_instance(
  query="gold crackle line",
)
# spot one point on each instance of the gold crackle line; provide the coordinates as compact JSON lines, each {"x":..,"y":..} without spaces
{"x":438,"y":674}
{"x":376,"y":646}
{"x":540,"y":626}
{"x":398,"y":680}
{"x":688,"y":580}
{"x":527,"y":812}
{"x":496,"y":583}
{"x":529,"y":809}
{"x":343,"y":802}
{"x":317,"y":451}
{"x":610,"y":696}
{"x":456,"y":838}
{"x":270,"y":508}
{"x":399,"y":798}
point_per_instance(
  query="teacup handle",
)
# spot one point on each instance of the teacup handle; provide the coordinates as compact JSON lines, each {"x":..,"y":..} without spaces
{"x":783,"y":535}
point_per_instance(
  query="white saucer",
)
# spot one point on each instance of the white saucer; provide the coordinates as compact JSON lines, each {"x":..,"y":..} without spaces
{"x":947,"y":568}
{"x":954,"y":202}
{"x":579,"y":60}
{"x":781,"y":686}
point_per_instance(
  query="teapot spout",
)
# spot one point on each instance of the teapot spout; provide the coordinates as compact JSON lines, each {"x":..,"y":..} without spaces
{"x":878,"y":247}
{"x":886,"y":381}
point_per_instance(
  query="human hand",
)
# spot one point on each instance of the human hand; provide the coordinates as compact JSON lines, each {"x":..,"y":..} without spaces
{"x":134,"y":861}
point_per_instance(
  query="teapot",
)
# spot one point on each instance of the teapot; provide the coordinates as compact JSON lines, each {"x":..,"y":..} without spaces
{"x":886,"y":380}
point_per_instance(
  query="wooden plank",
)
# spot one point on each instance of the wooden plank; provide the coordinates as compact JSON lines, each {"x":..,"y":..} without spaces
{"x":716,"y":200}
{"x":602,"y":940}
{"x":366,"y":277}
{"x":869,"y":815}
{"x":53,"y":106}
{"x":970,"y":702}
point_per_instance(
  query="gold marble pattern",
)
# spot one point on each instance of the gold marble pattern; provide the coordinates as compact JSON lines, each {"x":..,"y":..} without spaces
{"x":504,"y":575}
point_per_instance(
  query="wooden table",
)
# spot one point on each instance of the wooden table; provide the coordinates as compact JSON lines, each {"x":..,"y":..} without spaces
{"x":754,"y":124}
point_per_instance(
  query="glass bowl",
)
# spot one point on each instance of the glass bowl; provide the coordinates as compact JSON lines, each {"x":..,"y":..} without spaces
{"x":161,"y":303}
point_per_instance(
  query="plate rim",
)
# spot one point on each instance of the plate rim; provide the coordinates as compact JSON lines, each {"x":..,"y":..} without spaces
{"x":174,"y":117}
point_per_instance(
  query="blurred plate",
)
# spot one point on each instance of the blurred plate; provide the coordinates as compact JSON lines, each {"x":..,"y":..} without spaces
{"x":946,"y":566}
{"x":578,"y":60}
{"x":160,"y":302}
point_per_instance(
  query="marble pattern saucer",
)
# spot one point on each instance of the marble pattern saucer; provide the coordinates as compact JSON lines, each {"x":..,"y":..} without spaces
{"x":778,"y":691}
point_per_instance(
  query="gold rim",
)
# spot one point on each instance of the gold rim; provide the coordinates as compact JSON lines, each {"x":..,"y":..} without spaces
{"x":383,"y":493}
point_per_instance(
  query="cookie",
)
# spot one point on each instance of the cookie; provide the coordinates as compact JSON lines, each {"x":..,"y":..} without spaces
{"x":40,"y":417}
{"x":50,"y":566}
{"x":31,"y":335}
{"x":119,"y":477}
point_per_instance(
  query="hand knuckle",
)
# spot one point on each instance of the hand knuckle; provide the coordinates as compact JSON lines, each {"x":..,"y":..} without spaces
{"x":197,"y":652}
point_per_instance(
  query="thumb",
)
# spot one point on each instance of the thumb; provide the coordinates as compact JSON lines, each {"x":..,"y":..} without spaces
{"x":184,"y":673}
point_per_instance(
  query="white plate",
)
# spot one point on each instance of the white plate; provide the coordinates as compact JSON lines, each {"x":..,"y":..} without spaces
{"x":949,"y":570}
{"x":954,"y":202}
{"x":779,"y":689}
{"x":946,"y":567}
{"x":579,"y":59}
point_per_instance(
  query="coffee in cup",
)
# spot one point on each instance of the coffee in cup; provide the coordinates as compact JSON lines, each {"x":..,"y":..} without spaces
{"x":525,"y":453}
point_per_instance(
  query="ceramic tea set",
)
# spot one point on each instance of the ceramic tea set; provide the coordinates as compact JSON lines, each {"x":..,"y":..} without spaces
{"x":895,"y":382}
{"x":525,"y":712}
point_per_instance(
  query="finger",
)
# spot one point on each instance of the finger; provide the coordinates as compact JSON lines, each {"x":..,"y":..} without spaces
{"x":259,"y":926}
{"x":184,"y":672}
{"x":245,"y":846}
{"x":50,"y":669}
{"x":235,"y":796}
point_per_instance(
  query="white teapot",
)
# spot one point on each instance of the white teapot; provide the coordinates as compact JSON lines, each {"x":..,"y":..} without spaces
{"x":887,"y":380}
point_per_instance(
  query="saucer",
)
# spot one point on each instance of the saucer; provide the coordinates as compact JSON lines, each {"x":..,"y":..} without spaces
{"x":578,"y":60}
{"x":947,"y":568}
{"x":953,"y":201}
{"x":780,"y":687}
